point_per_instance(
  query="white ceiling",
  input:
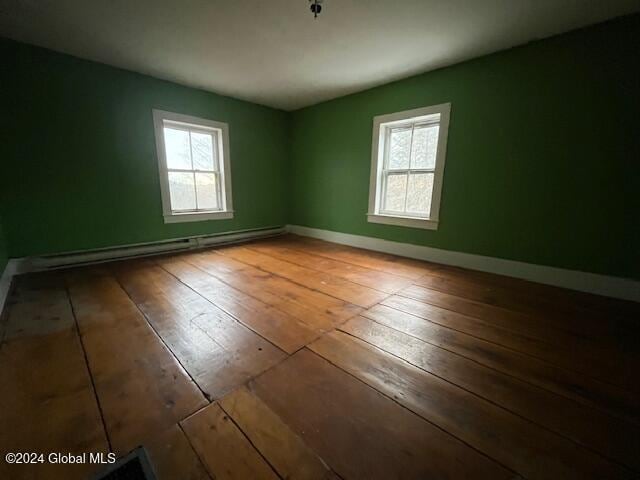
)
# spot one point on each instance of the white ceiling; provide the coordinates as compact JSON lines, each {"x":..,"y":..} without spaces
{"x":273,"y":52}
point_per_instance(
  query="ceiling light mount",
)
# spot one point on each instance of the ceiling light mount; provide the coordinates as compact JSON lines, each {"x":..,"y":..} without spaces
{"x":316,"y":7}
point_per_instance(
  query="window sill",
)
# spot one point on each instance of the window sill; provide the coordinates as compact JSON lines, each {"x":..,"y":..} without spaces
{"x":197,"y":216}
{"x":410,"y":222}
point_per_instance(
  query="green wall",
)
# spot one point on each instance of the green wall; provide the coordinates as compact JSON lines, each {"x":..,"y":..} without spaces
{"x":542,"y":162}
{"x":78,"y":163}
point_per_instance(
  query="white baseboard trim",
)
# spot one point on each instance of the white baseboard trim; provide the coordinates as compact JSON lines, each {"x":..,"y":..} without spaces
{"x":559,"y":277}
{"x":17,"y":266}
{"x":12,"y":268}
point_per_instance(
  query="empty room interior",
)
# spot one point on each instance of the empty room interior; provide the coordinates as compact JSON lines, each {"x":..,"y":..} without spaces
{"x":319,"y":239}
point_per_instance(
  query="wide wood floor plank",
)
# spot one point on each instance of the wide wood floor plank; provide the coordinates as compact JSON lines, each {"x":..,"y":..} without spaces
{"x":534,"y":325}
{"x":613,"y":438}
{"x":317,"y":310}
{"x":401,"y":266}
{"x":382,"y":281}
{"x":322,"y":282}
{"x":142,"y":388}
{"x":506,"y":318}
{"x":219,"y":352}
{"x":524,"y":447}
{"x":225,"y":451}
{"x":556,"y":347}
{"x":283,"y":330}
{"x":48,"y":403}
{"x":573,"y":385}
{"x":609,"y":352}
{"x":559,"y":297}
{"x":358,"y":431}
{"x":569,"y":315}
{"x":285,"y":450}
{"x":556,"y":296}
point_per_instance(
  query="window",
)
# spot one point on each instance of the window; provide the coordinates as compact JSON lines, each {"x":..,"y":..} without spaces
{"x":407,"y":167}
{"x":193,"y":159}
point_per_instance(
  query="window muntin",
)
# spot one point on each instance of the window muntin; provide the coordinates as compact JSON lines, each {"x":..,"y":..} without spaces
{"x":407,"y":166}
{"x":193,"y":157}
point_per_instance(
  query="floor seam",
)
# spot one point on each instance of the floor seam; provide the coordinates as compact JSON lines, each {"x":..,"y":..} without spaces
{"x":158,"y":265}
{"x":204,"y":465}
{"x":206,"y":395}
{"x":310,"y":288}
{"x":249,"y":246}
{"x":250,"y":441}
{"x":356,"y":264}
{"x":86,"y":362}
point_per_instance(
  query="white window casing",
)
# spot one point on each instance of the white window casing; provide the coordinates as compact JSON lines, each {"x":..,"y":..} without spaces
{"x":194,"y":167}
{"x":400,"y":142}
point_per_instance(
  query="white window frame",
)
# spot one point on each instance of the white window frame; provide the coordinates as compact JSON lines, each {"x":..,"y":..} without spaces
{"x":221,"y":132}
{"x":382,"y":125}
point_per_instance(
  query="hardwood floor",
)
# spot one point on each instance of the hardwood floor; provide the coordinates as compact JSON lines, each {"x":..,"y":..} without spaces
{"x":297,"y":358}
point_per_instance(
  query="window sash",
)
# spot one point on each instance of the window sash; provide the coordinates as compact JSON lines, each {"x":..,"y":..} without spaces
{"x":404,"y":211}
{"x":386,"y":171}
{"x":218,"y":182}
{"x":216,"y":153}
{"x":207,"y":131}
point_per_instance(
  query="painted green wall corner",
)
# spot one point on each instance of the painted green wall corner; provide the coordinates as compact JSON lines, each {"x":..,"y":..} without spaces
{"x":78,"y":157}
{"x":543,"y":160}
{"x":4,"y":250}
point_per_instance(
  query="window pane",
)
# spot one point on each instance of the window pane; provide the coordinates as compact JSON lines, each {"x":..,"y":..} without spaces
{"x":399,"y":148}
{"x":181,"y":188}
{"x":395,"y":193}
{"x":424,"y":146}
{"x":419,"y":193}
{"x":176,"y":144}
{"x":207,"y":189}
{"x":202,"y":149}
